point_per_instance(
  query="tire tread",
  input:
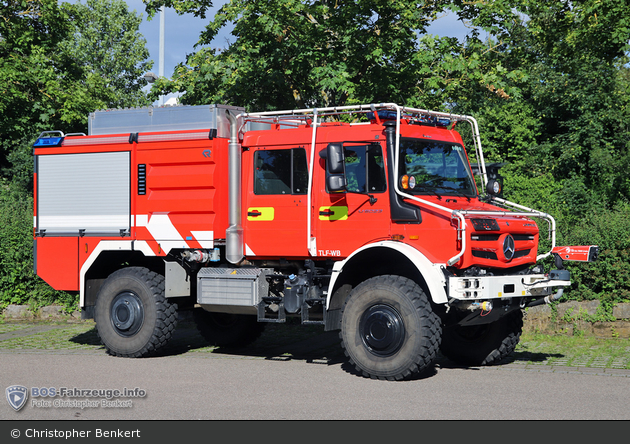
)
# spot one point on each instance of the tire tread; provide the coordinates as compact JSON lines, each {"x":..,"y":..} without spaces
{"x":166,"y":311}
{"x":431,"y":333}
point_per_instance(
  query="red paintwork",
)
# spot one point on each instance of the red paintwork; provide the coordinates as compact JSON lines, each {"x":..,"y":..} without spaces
{"x":582,"y":253}
{"x":58,"y":261}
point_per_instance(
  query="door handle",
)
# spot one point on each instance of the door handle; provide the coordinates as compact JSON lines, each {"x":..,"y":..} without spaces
{"x":326,"y":213}
{"x":254,"y":213}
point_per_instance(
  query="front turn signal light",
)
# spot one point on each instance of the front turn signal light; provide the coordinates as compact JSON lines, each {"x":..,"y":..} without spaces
{"x":405,"y":182}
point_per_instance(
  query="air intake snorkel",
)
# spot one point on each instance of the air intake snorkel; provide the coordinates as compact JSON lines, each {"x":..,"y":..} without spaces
{"x":234,"y":232}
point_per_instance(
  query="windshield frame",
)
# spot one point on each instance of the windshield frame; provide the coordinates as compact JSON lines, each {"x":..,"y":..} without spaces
{"x":423,"y":186}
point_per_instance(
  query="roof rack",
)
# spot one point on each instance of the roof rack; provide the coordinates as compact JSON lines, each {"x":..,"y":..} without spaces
{"x":381,"y":111}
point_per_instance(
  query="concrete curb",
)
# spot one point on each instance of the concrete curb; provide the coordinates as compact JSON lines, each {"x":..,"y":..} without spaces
{"x":574,"y":317}
{"x":49,"y":313}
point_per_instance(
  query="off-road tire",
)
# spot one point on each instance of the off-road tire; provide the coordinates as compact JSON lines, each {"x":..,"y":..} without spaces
{"x":133,"y":318}
{"x":226,"y":329}
{"x":389,"y":330}
{"x":486,"y":344}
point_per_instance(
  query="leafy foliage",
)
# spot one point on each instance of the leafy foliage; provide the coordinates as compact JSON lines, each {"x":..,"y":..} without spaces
{"x":18,"y":283}
{"x":107,"y":45}
{"x":61,"y":61}
{"x":298,"y":54}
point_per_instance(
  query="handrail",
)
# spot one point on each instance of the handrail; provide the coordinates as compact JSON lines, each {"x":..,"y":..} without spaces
{"x":312,"y":247}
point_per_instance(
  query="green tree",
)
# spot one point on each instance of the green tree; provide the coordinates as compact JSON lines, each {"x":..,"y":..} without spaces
{"x":58,"y":63}
{"x":571,"y":113}
{"x":298,"y":54}
{"x":107,"y":45}
{"x":34,"y":72}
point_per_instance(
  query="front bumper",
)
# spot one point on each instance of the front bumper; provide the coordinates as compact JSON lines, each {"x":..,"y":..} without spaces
{"x":482,"y":288}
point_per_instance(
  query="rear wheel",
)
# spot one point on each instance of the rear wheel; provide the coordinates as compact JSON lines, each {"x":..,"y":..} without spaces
{"x":133,"y":318}
{"x":388,"y":329}
{"x":486,"y":344}
{"x":226,"y":329}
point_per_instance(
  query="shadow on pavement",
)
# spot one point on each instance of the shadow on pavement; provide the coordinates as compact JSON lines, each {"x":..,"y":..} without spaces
{"x":278,"y":342}
{"x":292,"y":341}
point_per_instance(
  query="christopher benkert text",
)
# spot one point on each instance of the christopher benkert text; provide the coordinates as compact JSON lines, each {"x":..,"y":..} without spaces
{"x":98,"y":433}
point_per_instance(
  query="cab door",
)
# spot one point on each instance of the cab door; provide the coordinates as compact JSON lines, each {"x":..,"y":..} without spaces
{"x":275,"y":203}
{"x":345,"y":221}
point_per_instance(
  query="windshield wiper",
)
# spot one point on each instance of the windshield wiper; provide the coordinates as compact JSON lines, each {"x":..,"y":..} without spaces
{"x":454,"y":192}
{"x":431,"y":190}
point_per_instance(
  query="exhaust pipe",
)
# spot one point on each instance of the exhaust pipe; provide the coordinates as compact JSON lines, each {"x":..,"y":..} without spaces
{"x":547,"y":299}
{"x":234,"y":233}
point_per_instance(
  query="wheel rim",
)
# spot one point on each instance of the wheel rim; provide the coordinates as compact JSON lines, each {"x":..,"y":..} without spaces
{"x":127,"y":314}
{"x":382,"y":330}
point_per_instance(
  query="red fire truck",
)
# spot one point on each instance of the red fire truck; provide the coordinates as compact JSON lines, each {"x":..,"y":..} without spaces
{"x":365,"y":219}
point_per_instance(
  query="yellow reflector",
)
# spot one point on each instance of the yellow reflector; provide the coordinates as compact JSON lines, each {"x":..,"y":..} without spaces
{"x":333,"y":213}
{"x":260,"y":213}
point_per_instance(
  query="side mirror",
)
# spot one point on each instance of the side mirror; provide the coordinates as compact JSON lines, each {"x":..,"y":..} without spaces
{"x":334,"y":154}
{"x":335,"y":167}
{"x":336,"y":183}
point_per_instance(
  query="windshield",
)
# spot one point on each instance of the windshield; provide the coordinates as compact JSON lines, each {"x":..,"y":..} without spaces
{"x":435,"y":167}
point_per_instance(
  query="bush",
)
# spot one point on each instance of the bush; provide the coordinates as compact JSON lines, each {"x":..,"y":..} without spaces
{"x":18,"y":282}
{"x":581,"y":219}
{"x":608,"y":279}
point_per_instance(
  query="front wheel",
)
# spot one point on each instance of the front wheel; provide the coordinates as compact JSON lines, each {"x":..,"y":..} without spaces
{"x":133,"y":318}
{"x":485,"y":344}
{"x":389,"y":330}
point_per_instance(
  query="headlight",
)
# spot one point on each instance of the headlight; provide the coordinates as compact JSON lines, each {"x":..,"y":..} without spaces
{"x":493,"y":187}
{"x":412,"y":182}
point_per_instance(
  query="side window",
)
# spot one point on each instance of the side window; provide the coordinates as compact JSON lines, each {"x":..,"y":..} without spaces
{"x":280,"y":171}
{"x":365,"y":168}
{"x":299,"y":171}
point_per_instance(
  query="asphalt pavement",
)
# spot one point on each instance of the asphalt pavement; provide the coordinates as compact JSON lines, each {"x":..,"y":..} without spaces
{"x":283,"y":342}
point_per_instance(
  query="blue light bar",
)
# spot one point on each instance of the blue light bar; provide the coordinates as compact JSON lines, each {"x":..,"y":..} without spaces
{"x":435,"y":121}
{"x":48,"y":142}
{"x":383,"y":114}
{"x":430,"y":120}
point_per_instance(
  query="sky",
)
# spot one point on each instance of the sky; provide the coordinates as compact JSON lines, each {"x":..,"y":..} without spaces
{"x":181,"y":33}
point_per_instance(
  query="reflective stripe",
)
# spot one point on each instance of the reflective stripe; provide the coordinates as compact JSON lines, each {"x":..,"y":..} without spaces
{"x":205,"y":238}
{"x":163,"y":231}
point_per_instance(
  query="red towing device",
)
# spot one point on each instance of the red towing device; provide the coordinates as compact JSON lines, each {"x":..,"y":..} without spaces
{"x":365,"y":219}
